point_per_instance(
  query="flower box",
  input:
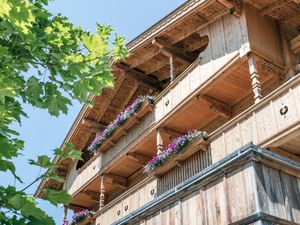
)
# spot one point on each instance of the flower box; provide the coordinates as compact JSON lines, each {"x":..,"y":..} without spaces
{"x":198,"y":143}
{"x":128,"y":118}
{"x":82,"y":217}
{"x":89,"y":220}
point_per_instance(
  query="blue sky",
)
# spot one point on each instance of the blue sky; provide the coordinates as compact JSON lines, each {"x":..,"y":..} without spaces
{"x":42,"y":132}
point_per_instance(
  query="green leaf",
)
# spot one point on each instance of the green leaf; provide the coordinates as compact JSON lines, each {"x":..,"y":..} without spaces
{"x":34,"y":88}
{"x":56,"y":197}
{"x":57,"y":104}
{"x":43,"y":161}
{"x":54,"y":176}
{"x":8,"y":165}
{"x":68,"y":153}
{"x":27,"y":206}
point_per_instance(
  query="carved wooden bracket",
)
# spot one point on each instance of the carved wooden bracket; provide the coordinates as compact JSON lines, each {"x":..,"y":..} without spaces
{"x":170,"y":132}
{"x":217,"y":106}
{"x":139,"y":76}
{"x":117,"y":180}
{"x":94,"y":125}
{"x":170,"y":51}
{"x":273,"y":70}
{"x":143,"y":160}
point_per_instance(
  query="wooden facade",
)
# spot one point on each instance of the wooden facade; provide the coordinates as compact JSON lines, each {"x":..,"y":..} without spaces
{"x":229,"y":68}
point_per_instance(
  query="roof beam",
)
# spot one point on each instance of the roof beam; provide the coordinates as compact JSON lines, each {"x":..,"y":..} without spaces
{"x":170,"y":132}
{"x":216,"y":106}
{"x":145,"y":57}
{"x":117,"y":180}
{"x":114,"y":177}
{"x":157,"y":66}
{"x":271,"y":69}
{"x":232,"y":6}
{"x":120,"y":184}
{"x":295,"y":44}
{"x":93,"y":124}
{"x":92,"y":194}
{"x":169,"y":50}
{"x":275,"y":5}
{"x":140,"y":77}
{"x":138,"y":158}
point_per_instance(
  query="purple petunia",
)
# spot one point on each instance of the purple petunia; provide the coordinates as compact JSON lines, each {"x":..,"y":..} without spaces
{"x":78,"y":217}
{"x":119,"y":121}
{"x":173,"y":148}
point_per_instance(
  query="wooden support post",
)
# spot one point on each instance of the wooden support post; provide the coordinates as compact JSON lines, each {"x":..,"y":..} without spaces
{"x":172,"y":68}
{"x":159,"y":141}
{"x":102,"y":193}
{"x":256,"y":87}
{"x":65,"y":214}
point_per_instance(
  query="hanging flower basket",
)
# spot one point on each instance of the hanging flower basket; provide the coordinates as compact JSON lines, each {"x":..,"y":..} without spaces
{"x":178,"y":150}
{"x":82,"y":217}
{"x":121,"y":120}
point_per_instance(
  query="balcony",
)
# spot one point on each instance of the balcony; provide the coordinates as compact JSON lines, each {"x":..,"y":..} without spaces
{"x":272,"y":123}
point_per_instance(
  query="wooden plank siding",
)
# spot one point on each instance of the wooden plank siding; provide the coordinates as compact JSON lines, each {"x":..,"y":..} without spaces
{"x":132,"y":134}
{"x":76,"y":180}
{"x":264,"y":37}
{"x":128,"y":202}
{"x":194,"y":164}
{"x":261,"y":125}
{"x":249,"y":191}
{"x":227,"y":39}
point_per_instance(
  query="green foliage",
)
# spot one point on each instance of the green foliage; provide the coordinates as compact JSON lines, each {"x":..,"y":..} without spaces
{"x":56,"y":197}
{"x":46,"y":62}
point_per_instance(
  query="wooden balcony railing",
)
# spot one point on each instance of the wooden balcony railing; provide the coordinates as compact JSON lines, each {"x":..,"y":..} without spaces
{"x":264,"y":123}
{"x":127,"y":202}
{"x":78,"y":179}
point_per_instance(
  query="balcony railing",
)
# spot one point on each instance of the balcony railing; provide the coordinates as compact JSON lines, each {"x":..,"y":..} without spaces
{"x":127,"y":202}
{"x":78,"y":179}
{"x":262,"y":123}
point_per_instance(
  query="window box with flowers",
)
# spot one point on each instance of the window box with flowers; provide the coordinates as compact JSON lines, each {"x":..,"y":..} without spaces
{"x":178,"y":150}
{"x":82,"y":217}
{"x":124,"y":121}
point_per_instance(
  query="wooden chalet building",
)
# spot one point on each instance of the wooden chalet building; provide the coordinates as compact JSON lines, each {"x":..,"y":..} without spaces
{"x":228,"y":68}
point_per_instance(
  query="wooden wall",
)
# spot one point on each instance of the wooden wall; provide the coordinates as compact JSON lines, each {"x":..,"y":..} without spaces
{"x":75,"y":180}
{"x":236,"y":197}
{"x":134,"y":133}
{"x":197,"y":162}
{"x":228,"y":39}
{"x":278,"y":193}
{"x":128,"y":202}
{"x":264,"y":37}
{"x":260,"y":125}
